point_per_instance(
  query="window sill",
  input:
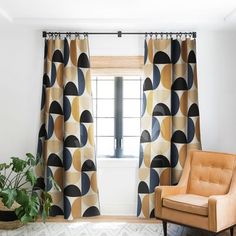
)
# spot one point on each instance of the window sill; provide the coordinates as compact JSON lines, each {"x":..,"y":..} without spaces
{"x":127,"y":162}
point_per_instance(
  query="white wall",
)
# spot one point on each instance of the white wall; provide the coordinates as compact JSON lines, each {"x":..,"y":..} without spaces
{"x":21,"y":60}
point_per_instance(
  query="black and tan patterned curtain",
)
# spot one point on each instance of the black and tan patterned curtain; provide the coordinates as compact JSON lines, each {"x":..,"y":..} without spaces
{"x":170,"y":116}
{"x":66,"y":141}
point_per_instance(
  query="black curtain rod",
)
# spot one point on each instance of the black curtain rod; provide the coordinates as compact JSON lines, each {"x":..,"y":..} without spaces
{"x":119,"y":33}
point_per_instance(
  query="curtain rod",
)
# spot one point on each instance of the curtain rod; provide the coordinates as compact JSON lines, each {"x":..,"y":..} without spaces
{"x":119,"y":33}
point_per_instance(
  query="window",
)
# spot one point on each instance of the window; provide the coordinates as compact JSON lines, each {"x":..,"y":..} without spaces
{"x":117,"y":107}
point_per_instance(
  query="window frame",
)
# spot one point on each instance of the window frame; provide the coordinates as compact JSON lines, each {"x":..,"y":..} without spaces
{"x":118,"y":67}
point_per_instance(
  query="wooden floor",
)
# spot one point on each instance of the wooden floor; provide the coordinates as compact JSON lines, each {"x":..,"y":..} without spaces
{"x":173,"y":230}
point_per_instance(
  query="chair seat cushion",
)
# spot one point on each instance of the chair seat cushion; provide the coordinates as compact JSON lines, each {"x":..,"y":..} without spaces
{"x":190,"y":203}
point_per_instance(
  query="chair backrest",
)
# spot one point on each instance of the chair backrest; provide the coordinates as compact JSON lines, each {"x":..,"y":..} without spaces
{"x":210,"y":173}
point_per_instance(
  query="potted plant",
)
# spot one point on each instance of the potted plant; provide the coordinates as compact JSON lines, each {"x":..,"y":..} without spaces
{"x":19,"y":202}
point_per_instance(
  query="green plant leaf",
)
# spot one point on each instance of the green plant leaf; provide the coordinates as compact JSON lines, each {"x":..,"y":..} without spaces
{"x":30,"y":177}
{"x":31,"y":159}
{"x":26,"y":218}
{"x":2,"y":181}
{"x":22,"y":197}
{"x":8,"y":197}
{"x":34,"y":206}
{"x":18,"y":164}
{"x":54,"y":183}
{"x":4,"y":166}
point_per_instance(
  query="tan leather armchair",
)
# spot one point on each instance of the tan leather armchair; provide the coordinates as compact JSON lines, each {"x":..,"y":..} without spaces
{"x":205,"y":196}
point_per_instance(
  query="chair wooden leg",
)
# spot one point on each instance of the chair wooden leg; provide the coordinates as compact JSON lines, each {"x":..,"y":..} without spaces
{"x":164,"y":224}
{"x":232,"y":231}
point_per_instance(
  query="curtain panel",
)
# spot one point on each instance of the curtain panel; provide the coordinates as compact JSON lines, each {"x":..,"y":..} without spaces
{"x":170,"y":116}
{"x":66,"y":141}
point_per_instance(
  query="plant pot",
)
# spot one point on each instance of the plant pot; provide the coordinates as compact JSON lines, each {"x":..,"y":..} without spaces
{"x":8,"y":218}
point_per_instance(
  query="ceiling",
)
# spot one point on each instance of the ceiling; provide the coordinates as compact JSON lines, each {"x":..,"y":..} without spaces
{"x":129,"y":15}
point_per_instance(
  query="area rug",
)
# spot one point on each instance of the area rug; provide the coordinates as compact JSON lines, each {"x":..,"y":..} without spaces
{"x":86,"y":229}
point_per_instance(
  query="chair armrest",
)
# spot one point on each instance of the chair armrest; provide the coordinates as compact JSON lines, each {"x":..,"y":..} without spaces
{"x":162,"y":191}
{"x":221,"y":211}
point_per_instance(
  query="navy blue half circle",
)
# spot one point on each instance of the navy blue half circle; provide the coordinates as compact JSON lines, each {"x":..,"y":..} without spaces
{"x":39,"y":184}
{"x":174,"y":158}
{"x":161,"y":58}
{"x":86,"y":117}
{"x":46,"y":80}
{"x":50,"y":127}
{"x":154,"y":180}
{"x":70,"y":89}
{"x":55,"y":211}
{"x":179,"y":137}
{"x":83,"y":135}
{"x":175,"y":51}
{"x":144,"y":104}
{"x":147,"y":84}
{"x":179,"y":84}
{"x":152,"y":214}
{"x":81,"y":82}
{"x":193,"y":110}
{"x":55,"y":108}
{"x":67,"y":159}
{"x":156,"y":77}
{"x":66,"y":108}
{"x":53,"y":74}
{"x":57,"y":56}
{"x":161,"y":110}
{"x":91,"y":211}
{"x":145,"y":137}
{"x":155,"y":129}
{"x":88,"y":166}
{"x":83,"y":61}
{"x":191,"y":130}
{"x":85,"y":183}
{"x":139,"y":206}
{"x":49,"y":182}
{"x":160,"y":161}
{"x":191,"y":57}
{"x":72,"y":191}
{"x":42,"y":131}
{"x":45,"y":48}
{"x":142,"y":187}
{"x":43,"y":98}
{"x":190,"y":76}
{"x":174,"y":103}
{"x":66,"y":51}
{"x":71,"y":141}
{"x":54,"y":160}
{"x":140,"y":155}
{"x":39,"y":148}
{"x":145,"y":51}
{"x":67,"y":208}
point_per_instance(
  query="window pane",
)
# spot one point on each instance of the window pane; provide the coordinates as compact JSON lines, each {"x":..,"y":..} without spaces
{"x":105,"y":108}
{"x":131,"y":108}
{"x":94,"y":87}
{"x":94,"y":107}
{"x":105,"y":126}
{"x":131,"y":89}
{"x":95,"y":126}
{"x":105,"y":89}
{"x":105,"y":146}
{"x":131,"y":146}
{"x":131,"y":126}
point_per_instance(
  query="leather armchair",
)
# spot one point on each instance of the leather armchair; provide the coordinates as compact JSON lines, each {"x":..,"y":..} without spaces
{"x":205,"y":196}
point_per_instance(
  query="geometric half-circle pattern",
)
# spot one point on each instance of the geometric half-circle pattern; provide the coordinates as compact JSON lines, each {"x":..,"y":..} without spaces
{"x":170,"y":115}
{"x":65,"y":137}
